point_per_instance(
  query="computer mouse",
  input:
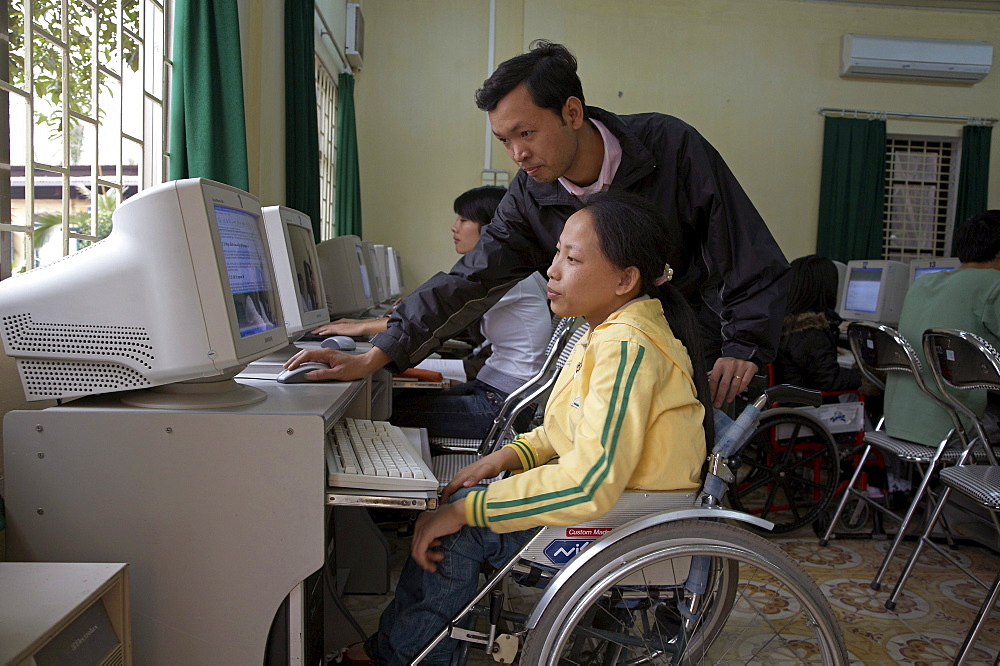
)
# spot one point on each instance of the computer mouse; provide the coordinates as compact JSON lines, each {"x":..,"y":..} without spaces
{"x":341,"y":342}
{"x":298,"y":375}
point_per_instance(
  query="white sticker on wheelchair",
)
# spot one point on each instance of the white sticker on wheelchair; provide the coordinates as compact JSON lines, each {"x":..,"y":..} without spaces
{"x":561,"y":551}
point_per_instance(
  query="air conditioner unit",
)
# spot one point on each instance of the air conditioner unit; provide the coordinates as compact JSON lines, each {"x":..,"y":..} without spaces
{"x":915,"y":59}
{"x":355,"y":41}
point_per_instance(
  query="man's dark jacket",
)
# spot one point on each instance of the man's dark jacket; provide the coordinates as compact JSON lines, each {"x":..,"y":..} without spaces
{"x":725,"y":261}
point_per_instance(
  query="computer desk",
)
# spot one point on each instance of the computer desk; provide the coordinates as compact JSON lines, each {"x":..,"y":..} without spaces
{"x":219,"y":513}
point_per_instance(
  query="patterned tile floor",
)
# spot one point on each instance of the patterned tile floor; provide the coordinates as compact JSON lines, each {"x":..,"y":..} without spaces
{"x":929,"y":624}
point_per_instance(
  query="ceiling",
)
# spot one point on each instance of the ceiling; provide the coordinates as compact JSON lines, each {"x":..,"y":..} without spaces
{"x":953,"y":5}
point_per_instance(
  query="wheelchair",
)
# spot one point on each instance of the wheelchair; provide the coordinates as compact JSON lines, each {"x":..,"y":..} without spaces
{"x":664,"y":578}
{"x":790,"y":468}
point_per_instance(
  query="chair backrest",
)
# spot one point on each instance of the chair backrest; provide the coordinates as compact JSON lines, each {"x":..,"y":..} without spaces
{"x":962,"y":361}
{"x":566,"y":333}
{"x":880,"y":348}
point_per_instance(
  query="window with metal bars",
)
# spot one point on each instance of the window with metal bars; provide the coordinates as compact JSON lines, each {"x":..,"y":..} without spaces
{"x":84,"y":107}
{"x":326,"y":108}
{"x":920,"y":181}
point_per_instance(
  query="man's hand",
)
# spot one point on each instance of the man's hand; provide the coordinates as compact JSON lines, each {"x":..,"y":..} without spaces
{"x":430,"y":527}
{"x":729,"y":377}
{"x":353,"y":327}
{"x":344,"y":367}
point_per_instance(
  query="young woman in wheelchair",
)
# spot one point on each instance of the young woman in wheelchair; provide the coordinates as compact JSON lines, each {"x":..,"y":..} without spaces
{"x":628,"y":412}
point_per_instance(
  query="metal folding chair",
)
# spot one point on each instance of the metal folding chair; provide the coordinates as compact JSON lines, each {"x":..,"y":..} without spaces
{"x":961,"y":361}
{"x":879,"y":348}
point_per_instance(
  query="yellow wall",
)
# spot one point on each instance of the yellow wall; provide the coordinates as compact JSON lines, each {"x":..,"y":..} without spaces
{"x":749,"y":74}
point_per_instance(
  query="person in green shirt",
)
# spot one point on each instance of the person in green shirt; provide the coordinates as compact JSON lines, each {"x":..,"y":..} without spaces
{"x":967,"y":299}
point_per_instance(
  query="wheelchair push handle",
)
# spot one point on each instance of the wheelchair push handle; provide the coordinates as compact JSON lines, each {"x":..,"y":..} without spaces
{"x":796,"y":395}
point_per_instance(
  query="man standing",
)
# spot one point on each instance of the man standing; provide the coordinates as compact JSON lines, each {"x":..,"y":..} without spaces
{"x":723,"y":257}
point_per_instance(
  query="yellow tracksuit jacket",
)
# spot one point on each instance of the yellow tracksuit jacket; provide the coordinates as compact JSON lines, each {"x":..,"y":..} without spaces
{"x":622,"y":414}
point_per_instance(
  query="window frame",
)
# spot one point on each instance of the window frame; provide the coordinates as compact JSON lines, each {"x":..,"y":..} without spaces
{"x":947,"y":172}
{"x":151,"y":144}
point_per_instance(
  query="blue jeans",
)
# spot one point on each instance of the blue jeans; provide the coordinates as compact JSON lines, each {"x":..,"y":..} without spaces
{"x":465,"y":411}
{"x":425,"y":602}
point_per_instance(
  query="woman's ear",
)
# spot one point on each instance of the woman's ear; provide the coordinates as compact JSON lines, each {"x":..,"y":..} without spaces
{"x":629,"y":281}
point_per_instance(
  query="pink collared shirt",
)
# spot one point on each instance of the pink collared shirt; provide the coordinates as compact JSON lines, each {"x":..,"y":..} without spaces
{"x":612,"y":159}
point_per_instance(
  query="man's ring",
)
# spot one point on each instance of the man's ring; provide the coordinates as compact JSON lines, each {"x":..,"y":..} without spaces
{"x":736,"y":377}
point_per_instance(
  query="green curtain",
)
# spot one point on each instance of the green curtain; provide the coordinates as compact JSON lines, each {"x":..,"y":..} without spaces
{"x":301,"y":131}
{"x":973,"y":174}
{"x":207,"y":122}
{"x":348,"y":197}
{"x":852,"y":189}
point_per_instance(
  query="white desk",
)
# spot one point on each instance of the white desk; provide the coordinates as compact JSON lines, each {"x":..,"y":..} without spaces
{"x":219,"y":513}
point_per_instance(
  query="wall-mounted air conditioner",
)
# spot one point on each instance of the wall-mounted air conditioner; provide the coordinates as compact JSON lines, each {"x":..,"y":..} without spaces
{"x":355,"y":41}
{"x":950,"y":60}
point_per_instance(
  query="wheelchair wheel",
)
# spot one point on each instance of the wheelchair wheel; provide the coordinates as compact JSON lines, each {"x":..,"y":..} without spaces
{"x":788,"y":471}
{"x":762,"y":607}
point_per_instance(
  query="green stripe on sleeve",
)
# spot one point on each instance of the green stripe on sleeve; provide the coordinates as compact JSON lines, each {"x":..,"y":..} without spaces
{"x":617,"y":405}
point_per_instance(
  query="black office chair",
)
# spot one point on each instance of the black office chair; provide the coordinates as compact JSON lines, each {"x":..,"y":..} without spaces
{"x":962,"y":361}
{"x":880,"y":349}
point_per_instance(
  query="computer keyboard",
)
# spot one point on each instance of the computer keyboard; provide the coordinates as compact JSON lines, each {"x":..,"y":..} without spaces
{"x":374,"y":455}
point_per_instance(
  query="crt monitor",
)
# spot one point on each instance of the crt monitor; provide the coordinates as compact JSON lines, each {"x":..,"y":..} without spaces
{"x":921,"y":267}
{"x":382,"y":264}
{"x":874,"y":291}
{"x":841,"y":278}
{"x":395,"y":266}
{"x":181,"y":296}
{"x":374,"y":277}
{"x":296,"y":268}
{"x":345,"y":276}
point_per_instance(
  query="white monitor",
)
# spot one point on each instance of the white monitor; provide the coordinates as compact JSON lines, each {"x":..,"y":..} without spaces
{"x":382,"y":264}
{"x":841,"y":278}
{"x":874,"y":291}
{"x":296,"y":268}
{"x":379,"y":292}
{"x":396,"y":286}
{"x":182,"y":289}
{"x":921,"y":267}
{"x":345,"y":276}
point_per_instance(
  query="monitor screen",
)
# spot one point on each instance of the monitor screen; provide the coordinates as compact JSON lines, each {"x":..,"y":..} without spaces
{"x":182,"y":289}
{"x":922,"y":267}
{"x":252,"y":288}
{"x":296,"y":267}
{"x":862,"y":289}
{"x":345,"y":276}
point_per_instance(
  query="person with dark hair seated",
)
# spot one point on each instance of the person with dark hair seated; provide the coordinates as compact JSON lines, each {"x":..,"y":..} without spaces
{"x":807,"y":353}
{"x":629,"y":410}
{"x":518,"y":328}
{"x":967,"y":299}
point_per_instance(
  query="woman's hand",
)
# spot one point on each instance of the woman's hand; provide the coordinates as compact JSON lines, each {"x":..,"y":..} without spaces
{"x":430,"y":527}
{"x":484,"y":468}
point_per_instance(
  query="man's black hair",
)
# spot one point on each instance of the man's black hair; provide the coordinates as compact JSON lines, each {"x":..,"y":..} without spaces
{"x":480,"y":203}
{"x":978,"y":240}
{"x":547,"y":70}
